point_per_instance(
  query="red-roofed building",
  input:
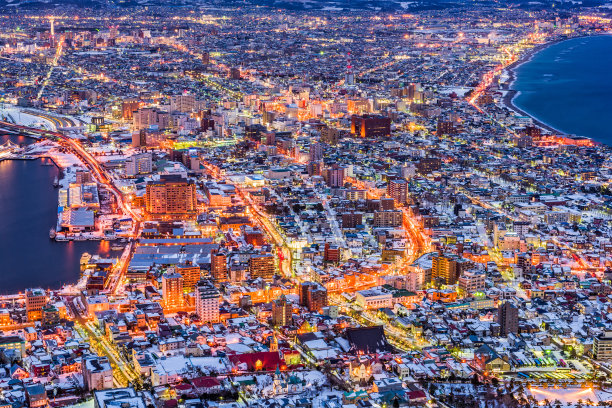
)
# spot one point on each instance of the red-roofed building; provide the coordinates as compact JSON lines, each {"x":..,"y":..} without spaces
{"x":206,"y":385}
{"x":261,"y":361}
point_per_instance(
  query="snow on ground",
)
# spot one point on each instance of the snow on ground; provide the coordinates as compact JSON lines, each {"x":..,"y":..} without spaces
{"x":14,"y":114}
{"x":181,"y":364}
{"x":565,"y":395}
{"x":460,"y":91}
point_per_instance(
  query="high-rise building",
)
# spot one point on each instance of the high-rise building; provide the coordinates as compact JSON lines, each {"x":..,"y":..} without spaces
{"x":171,"y":197}
{"x":398,"y":191}
{"x":182,"y":103}
{"x":234,"y":73}
{"x":313,"y":296}
{"x":140,"y":163}
{"x":172,"y":291}
{"x":191,"y":275}
{"x":350,"y":220}
{"x":370,"y":126}
{"x":205,"y":58}
{"x":316,"y":152}
{"x":207,"y":302}
{"x":262,"y":266}
{"x":445,"y":128}
{"x":507,"y":317}
{"x":330,"y":135}
{"x":388,"y":219}
{"x":602,"y":346}
{"x":334,"y":176}
{"x":444,"y":270}
{"x":128,"y":107}
{"x":36,"y":299}
{"x":97,"y":373}
{"x":139,"y":138}
{"x":144,"y":118}
{"x":282,"y":312}
{"x":331,"y":253}
{"x":218,"y":266}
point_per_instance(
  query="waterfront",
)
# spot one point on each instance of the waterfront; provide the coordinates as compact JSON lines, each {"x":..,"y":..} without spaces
{"x":28,"y":204}
{"x":567,"y":87}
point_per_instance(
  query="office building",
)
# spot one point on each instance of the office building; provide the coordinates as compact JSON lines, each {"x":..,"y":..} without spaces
{"x":128,"y":107}
{"x":191,"y":275}
{"x":97,"y":373}
{"x":444,"y":270}
{"x":262,"y":266}
{"x":172,"y":290}
{"x":218,"y":266}
{"x":182,"y":103}
{"x":370,"y":126}
{"x":602,"y":346}
{"x":282,"y":312}
{"x":507,"y":317}
{"x":145,"y":118}
{"x":171,"y":197}
{"x":388,"y":219}
{"x":140,"y":163}
{"x":398,"y":191}
{"x":207,"y":302}
{"x":36,"y":299}
{"x":472,"y":281}
{"x":313,"y":296}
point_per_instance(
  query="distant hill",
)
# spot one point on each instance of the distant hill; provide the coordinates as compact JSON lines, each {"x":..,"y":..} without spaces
{"x":326,"y":5}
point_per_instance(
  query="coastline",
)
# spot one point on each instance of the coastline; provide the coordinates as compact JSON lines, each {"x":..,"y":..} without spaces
{"x":511,"y":94}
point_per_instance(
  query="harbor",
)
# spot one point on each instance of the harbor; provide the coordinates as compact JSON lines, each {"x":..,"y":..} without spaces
{"x":25,"y":183}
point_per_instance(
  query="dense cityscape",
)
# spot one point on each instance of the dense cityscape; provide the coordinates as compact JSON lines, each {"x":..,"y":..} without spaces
{"x":306,"y":209}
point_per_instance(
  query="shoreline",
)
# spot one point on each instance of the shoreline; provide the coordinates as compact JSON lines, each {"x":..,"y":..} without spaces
{"x":511,"y":94}
{"x":508,"y":99}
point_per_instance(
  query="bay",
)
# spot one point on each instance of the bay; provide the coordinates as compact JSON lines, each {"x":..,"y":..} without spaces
{"x":569,"y":86}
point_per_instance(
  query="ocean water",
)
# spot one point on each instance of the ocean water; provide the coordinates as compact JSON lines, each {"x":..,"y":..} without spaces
{"x":569,"y":87}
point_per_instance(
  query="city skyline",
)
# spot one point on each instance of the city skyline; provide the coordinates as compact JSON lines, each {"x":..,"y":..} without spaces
{"x":308,"y":205}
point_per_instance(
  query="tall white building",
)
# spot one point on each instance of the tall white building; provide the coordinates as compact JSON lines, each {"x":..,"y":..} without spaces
{"x":182,"y":103}
{"x":207,"y":301}
{"x":140,"y":163}
{"x":97,"y":373}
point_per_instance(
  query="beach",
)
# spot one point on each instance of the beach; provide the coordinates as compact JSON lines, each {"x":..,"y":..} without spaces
{"x":512,"y":93}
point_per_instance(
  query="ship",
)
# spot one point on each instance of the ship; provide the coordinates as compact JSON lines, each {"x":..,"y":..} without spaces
{"x":52,"y":233}
{"x":85,"y":258}
{"x":56,"y":183}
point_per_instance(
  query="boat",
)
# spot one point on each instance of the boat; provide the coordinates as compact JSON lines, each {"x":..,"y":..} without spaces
{"x":61,"y":237}
{"x":116,"y":247}
{"x":56,"y":183}
{"x":52,"y":233}
{"x":80,"y":238}
{"x":85,"y":258}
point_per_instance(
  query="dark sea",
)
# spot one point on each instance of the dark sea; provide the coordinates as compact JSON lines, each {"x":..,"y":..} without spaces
{"x":28,"y":209}
{"x":569,"y":87}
